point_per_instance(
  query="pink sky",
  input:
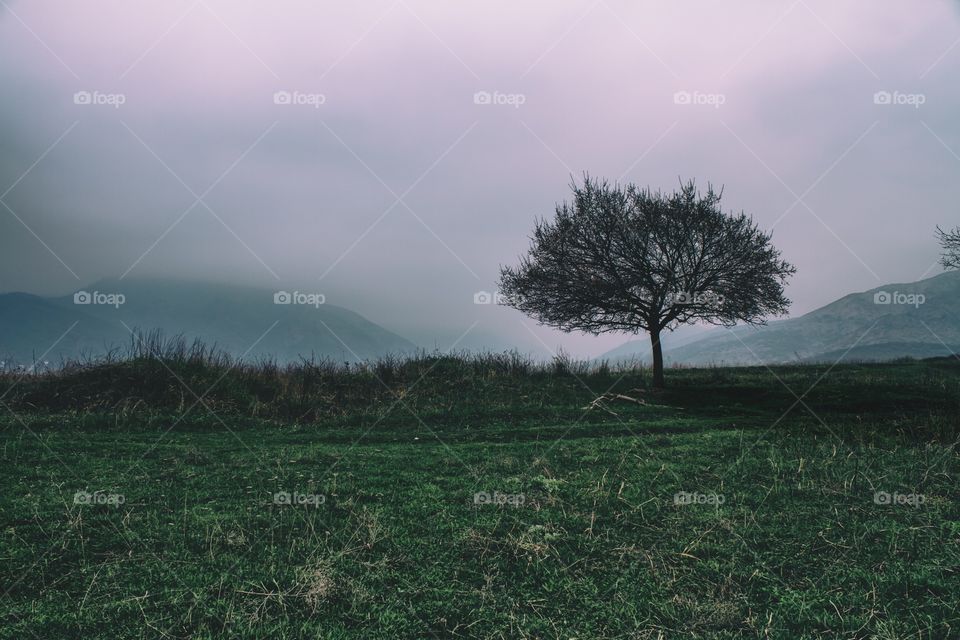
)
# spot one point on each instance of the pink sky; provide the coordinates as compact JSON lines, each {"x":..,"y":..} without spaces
{"x":399,"y":196}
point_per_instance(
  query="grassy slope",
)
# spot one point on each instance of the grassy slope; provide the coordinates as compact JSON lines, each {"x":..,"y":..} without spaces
{"x":399,"y":549}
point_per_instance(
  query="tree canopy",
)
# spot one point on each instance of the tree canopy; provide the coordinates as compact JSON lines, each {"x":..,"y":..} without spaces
{"x":950,"y":245}
{"x":629,"y":259}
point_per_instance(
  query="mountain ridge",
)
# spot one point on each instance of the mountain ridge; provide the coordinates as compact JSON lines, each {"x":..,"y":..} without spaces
{"x":911,"y":319}
{"x":244,"y":321}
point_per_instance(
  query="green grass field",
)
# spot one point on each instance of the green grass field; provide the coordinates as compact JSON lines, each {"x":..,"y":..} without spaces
{"x":824,"y":502}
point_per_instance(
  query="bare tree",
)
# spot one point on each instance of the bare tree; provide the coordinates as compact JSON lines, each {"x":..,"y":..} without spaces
{"x":950,"y":244}
{"x":625,"y":259}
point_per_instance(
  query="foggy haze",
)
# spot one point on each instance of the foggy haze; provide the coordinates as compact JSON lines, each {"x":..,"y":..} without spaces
{"x":393,"y":155}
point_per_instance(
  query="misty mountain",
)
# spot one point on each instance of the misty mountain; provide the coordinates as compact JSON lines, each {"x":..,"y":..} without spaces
{"x":918,"y":319}
{"x":638,"y":348}
{"x":239,"y":320}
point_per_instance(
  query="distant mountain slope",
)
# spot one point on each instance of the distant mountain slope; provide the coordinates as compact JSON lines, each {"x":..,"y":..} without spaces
{"x":638,"y":348}
{"x":878,"y":324}
{"x":237,"y":319}
{"x":37,"y":329}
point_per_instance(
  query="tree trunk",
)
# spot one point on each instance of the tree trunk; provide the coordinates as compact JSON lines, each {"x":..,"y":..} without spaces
{"x":657,"y":358}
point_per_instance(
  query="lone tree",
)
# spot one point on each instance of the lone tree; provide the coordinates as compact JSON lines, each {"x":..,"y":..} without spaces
{"x":625,"y":259}
{"x":950,"y":244}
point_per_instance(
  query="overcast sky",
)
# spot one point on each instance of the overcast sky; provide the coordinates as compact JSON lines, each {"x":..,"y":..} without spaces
{"x":378,"y":176}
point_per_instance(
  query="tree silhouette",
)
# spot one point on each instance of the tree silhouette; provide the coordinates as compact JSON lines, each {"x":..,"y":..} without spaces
{"x":950,"y":244}
{"x":625,"y":259}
